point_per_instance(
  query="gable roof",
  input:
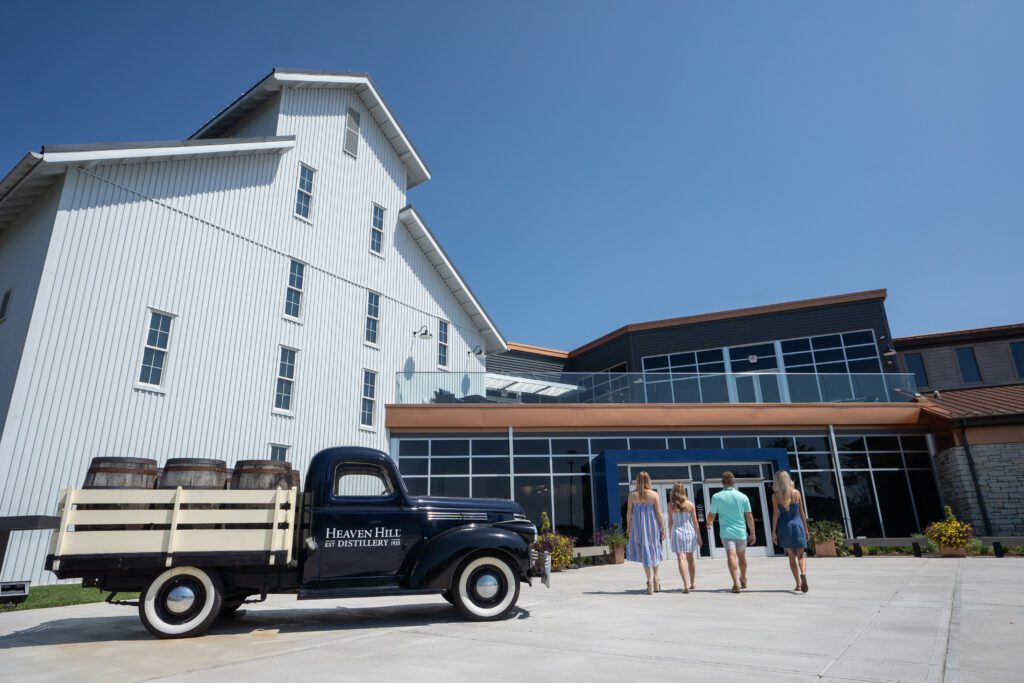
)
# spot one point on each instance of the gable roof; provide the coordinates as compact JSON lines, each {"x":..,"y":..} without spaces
{"x":493,"y":341}
{"x":277,"y":79}
{"x":37,"y":171}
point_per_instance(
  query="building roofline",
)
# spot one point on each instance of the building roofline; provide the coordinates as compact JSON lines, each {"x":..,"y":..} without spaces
{"x":37,"y":171}
{"x":952,"y":336}
{"x":364,"y":86}
{"x":411,"y":219}
{"x":816,"y":302}
{"x":537,"y":350}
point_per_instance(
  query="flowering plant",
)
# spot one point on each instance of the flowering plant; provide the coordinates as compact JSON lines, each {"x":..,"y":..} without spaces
{"x":950,"y":532}
{"x":559,"y":545}
{"x":613,"y":537}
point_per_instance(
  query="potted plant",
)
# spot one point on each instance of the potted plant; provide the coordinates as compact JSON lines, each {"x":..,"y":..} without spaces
{"x":615,"y":538}
{"x":950,"y":534}
{"x":826,"y":534}
{"x":558,"y":545}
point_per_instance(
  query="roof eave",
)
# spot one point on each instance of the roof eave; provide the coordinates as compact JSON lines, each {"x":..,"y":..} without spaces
{"x":494,"y":342}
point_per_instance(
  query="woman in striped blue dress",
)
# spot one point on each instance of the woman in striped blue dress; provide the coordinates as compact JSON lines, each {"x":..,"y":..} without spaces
{"x":646,"y":528}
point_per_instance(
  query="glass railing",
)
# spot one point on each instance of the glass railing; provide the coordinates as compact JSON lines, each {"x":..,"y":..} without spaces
{"x":636,"y":387}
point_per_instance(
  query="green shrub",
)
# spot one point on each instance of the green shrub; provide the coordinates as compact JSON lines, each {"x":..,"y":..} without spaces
{"x":825,"y":530}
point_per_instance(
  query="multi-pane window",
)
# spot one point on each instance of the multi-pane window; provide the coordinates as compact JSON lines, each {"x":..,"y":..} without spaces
{"x":5,"y":304}
{"x":352,"y":133}
{"x":1016,"y":349}
{"x":377,"y":230}
{"x":372,"y":317}
{"x":915,"y":366}
{"x":293,"y":299}
{"x":366,"y":412}
{"x":304,"y":193}
{"x":442,"y":344}
{"x":278,"y":452}
{"x":285,"y":379}
{"x":154,"y":356}
{"x":969,"y":372}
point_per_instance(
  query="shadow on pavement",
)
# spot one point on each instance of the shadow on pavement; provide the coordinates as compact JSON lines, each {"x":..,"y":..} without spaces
{"x":127,"y":627}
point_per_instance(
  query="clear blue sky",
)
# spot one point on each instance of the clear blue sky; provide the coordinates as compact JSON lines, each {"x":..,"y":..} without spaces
{"x":603,"y":163}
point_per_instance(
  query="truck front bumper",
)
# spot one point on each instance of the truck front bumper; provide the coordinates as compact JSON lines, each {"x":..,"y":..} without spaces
{"x":540,"y":566}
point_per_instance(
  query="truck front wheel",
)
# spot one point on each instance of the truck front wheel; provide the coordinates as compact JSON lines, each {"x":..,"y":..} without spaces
{"x":486,"y":588}
{"x":181,"y":603}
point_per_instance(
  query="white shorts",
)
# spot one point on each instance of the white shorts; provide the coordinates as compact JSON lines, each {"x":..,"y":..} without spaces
{"x":737,"y":544}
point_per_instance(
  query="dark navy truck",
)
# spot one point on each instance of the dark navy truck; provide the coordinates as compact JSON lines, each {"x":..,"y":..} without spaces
{"x":353,"y":531}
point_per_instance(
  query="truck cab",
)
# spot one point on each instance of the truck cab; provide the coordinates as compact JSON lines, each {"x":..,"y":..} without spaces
{"x":366,"y":535}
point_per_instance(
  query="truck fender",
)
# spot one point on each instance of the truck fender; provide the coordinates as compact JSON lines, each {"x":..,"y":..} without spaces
{"x":441,"y":555}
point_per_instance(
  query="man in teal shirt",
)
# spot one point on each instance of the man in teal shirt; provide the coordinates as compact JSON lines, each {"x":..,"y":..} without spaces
{"x":736,"y":523}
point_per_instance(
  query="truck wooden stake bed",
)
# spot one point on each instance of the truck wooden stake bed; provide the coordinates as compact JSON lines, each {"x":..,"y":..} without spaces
{"x":195,"y":555}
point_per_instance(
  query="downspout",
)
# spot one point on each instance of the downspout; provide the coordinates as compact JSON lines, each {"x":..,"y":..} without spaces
{"x":974,"y":477}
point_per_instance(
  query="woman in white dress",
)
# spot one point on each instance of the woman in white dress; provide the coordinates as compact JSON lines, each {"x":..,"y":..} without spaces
{"x":682,"y":516}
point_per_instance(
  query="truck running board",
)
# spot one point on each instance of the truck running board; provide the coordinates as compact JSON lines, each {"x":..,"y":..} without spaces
{"x":362,"y":592}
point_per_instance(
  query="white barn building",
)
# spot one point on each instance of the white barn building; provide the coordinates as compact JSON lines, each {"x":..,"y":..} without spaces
{"x":250,"y":292}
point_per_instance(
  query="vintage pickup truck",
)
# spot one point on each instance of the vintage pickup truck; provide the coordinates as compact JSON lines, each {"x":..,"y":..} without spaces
{"x":196,"y":555}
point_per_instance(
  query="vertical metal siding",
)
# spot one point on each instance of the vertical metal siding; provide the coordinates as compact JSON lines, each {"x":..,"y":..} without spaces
{"x":209,"y":240}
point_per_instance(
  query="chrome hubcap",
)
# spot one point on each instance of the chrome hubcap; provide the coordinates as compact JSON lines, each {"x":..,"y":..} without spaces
{"x":487,"y":586}
{"x":180,"y":599}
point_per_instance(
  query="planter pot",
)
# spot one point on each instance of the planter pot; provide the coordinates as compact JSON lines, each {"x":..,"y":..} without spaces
{"x":618,"y":555}
{"x":825,"y":549}
{"x":947,"y":551}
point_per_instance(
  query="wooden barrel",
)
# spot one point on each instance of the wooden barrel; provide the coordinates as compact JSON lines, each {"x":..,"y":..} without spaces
{"x":120,"y":473}
{"x":193,"y":473}
{"x":296,"y":480}
{"x":261,"y":474}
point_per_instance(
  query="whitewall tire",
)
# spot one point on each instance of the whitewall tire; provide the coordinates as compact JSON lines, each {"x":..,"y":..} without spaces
{"x":181,"y":603}
{"x":486,"y":588}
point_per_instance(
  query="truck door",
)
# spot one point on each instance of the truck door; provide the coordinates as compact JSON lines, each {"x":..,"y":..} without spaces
{"x":367,"y":528}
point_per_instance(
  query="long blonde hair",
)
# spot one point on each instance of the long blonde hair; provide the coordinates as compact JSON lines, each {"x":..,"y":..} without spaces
{"x":678,"y":497}
{"x":783,"y":489}
{"x":643,"y":484}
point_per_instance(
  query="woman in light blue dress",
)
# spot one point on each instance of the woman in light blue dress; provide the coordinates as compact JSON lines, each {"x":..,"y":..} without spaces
{"x":789,"y":526}
{"x":682,"y":520}
{"x":646,"y":529}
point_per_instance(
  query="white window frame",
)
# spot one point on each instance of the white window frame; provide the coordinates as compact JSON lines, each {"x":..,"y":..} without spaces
{"x":311,"y":193}
{"x":444,"y":344}
{"x":376,"y":230}
{"x":301,"y":290}
{"x":146,"y":346}
{"x":377,"y":319}
{"x":275,"y":446}
{"x":5,"y":304}
{"x":290,"y":410}
{"x":372,"y":427}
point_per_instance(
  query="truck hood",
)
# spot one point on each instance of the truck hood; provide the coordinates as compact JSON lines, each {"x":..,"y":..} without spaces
{"x":467,"y":504}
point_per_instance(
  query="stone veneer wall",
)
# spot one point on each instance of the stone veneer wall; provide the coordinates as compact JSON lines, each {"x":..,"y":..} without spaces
{"x":1001,"y":477}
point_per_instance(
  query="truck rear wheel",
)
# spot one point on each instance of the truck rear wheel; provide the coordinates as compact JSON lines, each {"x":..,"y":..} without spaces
{"x":181,"y":603}
{"x":486,"y":588}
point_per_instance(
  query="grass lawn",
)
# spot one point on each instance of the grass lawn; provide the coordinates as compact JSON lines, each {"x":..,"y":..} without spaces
{"x":65,"y":594}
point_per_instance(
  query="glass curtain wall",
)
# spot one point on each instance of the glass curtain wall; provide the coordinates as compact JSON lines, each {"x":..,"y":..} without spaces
{"x":888,"y":483}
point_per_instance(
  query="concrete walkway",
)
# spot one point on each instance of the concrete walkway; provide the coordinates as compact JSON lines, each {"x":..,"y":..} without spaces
{"x":868,"y":619}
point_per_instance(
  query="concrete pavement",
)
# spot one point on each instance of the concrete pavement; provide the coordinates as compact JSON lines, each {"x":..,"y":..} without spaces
{"x":866,"y":619}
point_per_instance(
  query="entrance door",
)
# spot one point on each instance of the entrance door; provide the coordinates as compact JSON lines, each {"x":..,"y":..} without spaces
{"x":664,"y":491}
{"x":758,"y":508}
